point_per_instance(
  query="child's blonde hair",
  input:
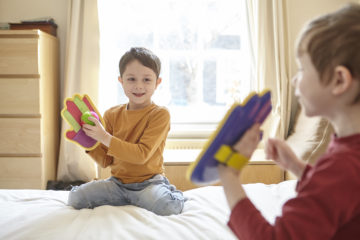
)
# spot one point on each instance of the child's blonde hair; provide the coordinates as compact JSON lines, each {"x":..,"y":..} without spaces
{"x":332,"y":40}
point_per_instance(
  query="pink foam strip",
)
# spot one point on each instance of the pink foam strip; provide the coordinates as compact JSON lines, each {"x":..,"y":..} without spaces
{"x":86,"y":101}
{"x":74,"y":110}
{"x":70,"y":134}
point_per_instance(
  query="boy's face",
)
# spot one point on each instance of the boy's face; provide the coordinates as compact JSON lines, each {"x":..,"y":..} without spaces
{"x":314,"y":97}
{"x":139,"y":84}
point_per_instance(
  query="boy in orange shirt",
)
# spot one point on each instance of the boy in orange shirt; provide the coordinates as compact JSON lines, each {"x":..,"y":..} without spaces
{"x":327,"y":205}
{"x":132,"y":145}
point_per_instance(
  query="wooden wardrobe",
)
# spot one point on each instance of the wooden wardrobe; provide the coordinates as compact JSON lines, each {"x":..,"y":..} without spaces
{"x":29,"y":108}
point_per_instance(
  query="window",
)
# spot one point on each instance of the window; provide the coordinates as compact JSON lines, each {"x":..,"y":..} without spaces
{"x":203,"y":48}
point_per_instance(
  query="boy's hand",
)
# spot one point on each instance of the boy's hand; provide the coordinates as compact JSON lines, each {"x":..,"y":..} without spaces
{"x":72,"y":112}
{"x":247,"y":144}
{"x":230,"y":177}
{"x":97,"y":132}
{"x":282,"y":154}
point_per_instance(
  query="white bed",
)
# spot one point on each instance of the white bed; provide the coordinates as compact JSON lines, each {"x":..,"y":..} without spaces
{"x":43,"y":214}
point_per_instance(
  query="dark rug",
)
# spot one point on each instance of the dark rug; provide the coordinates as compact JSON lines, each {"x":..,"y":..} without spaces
{"x":61,"y":185}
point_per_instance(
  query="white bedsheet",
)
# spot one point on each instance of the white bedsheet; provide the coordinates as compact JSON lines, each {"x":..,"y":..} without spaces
{"x":40,"y":214}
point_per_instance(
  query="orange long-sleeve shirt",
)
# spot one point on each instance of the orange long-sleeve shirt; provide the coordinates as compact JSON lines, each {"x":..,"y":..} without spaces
{"x":138,"y":139}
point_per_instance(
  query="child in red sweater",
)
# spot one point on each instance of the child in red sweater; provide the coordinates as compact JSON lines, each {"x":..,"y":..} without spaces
{"x":327,"y":205}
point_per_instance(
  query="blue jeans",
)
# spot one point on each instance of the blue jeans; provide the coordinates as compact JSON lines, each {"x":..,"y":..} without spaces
{"x":155,"y":194}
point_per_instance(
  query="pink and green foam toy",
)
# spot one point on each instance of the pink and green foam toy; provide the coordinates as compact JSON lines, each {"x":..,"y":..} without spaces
{"x":76,"y":111}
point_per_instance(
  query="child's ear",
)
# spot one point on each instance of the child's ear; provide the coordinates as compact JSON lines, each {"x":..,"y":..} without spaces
{"x":342,"y":80}
{"x":158,"y":81}
{"x":120,"y":79}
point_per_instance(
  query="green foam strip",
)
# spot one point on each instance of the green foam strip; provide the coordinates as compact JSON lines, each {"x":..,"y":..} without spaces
{"x":81,"y":105}
{"x":76,"y":126}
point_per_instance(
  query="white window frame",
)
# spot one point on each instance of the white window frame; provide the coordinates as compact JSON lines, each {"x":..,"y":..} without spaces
{"x":188,"y":135}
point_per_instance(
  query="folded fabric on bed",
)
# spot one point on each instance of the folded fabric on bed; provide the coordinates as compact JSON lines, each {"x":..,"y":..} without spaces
{"x":43,"y":214}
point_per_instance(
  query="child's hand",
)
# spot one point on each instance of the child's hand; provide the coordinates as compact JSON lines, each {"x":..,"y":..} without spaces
{"x":230,"y":177}
{"x":74,"y":107}
{"x":282,"y":154}
{"x":247,"y":144}
{"x":97,"y":132}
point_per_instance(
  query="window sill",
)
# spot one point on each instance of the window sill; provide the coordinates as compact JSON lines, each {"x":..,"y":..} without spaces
{"x":186,"y":156}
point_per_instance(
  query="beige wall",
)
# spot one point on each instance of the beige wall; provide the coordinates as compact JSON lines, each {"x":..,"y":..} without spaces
{"x":17,"y":10}
{"x":298,"y":14}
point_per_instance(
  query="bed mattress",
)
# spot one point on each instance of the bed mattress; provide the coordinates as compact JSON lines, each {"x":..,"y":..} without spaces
{"x":43,"y":214}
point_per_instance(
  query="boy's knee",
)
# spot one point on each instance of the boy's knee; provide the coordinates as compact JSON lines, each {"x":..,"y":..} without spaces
{"x":168,"y":206}
{"x":76,"y":198}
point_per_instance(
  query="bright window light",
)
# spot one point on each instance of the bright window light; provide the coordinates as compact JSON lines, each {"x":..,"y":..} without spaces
{"x":202,"y":45}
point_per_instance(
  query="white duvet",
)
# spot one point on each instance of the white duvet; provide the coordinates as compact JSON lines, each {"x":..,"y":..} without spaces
{"x":40,"y":214}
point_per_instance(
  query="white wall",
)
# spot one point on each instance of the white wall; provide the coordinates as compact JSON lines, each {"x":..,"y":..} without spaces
{"x":16,"y":10}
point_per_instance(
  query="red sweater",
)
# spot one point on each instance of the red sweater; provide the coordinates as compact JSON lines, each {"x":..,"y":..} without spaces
{"x":327,"y":205}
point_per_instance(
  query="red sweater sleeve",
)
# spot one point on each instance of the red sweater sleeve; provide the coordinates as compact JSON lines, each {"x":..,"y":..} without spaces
{"x":246,"y":221}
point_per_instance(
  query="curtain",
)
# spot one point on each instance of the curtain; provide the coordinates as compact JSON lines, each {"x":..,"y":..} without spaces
{"x":268,"y":38}
{"x":270,"y":49}
{"x":81,"y":76}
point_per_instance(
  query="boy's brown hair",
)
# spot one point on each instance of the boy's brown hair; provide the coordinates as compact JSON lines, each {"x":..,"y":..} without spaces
{"x":332,"y":40}
{"x":144,"y":56}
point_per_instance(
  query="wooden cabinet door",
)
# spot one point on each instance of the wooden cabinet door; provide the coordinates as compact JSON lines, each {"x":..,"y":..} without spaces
{"x":19,"y":96}
{"x":18,"y":55}
{"x":20,"y":136}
